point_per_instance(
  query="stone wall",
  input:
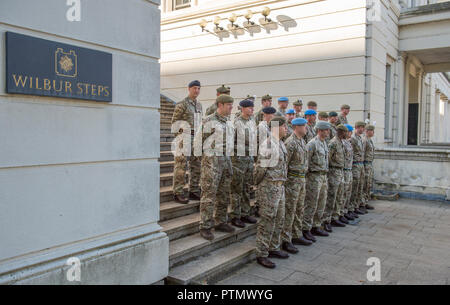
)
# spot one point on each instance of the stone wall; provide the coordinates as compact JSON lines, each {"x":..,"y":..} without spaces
{"x":414,"y":172}
{"x":81,"y":178}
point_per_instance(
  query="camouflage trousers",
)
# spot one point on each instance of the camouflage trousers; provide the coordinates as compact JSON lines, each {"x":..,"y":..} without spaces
{"x":357,"y":185}
{"x":335,"y":179}
{"x":215,"y":183}
{"x":240,"y":191}
{"x":368,"y":180}
{"x":294,"y":208}
{"x":347,"y":192}
{"x":315,"y":199}
{"x":179,"y":173}
{"x":271,"y":199}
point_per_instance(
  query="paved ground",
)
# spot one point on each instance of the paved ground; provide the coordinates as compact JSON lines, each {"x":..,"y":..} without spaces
{"x":410,"y":237}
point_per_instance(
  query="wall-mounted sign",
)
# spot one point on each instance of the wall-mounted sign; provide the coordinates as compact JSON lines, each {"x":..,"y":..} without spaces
{"x":41,"y":67}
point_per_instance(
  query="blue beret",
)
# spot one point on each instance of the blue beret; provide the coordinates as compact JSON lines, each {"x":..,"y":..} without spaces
{"x":283,"y":99}
{"x":290,"y":111}
{"x":246,"y":103}
{"x":269,"y":110}
{"x":349,"y":127}
{"x":299,"y":122}
{"x":310,"y":112}
{"x":194,"y":83}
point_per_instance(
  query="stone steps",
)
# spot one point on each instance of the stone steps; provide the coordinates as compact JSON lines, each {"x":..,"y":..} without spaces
{"x":181,"y":226}
{"x":166,"y":167}
{"x":166,"y":156}
{"x":167,"y":137}
{"x":171,"y":209}
{"x":165,"y":146}
{"x":214,"y":265}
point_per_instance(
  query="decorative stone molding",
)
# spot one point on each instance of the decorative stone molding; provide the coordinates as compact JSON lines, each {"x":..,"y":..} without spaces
{"x":418,"y":154}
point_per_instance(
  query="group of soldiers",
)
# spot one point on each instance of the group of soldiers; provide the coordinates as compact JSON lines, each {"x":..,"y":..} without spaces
{"x":309,"y":176}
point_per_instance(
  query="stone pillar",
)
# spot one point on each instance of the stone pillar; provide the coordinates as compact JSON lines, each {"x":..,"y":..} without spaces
{"x":80,"y":179}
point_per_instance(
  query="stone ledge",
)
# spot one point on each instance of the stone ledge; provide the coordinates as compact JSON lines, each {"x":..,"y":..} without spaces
{"x":418,"y":154}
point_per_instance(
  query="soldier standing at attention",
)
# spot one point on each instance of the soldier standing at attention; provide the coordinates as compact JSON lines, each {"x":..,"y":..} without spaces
{"x":345,"y":110}
{"x":270,"y":176}
{"x":290,"y":115}
{"x":310,"y":116}
{"x":221,"y":90}
{"x":216,"y":171}
{"x":283,"y":103}
{"x":358,"y":168}
{"x":245,"y":135}
{"x":316,"y":183}
{"x":266,"y":101}
{"x":348,"y":208}
{"x":298,"y":105}
{"x":333,"y":119}
{"x":295,"y":188}
{"x":369,"y":153}
{"x":188,"y":110}
{"x":312,"y":106}
{"x":335,"y":177}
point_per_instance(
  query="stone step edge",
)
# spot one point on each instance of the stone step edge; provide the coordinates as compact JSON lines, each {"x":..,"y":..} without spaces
{"x":218,"y":264}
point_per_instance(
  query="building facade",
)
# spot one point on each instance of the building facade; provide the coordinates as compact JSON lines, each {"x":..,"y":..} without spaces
{"x":79,"y":179}
{"x":387,"y":59}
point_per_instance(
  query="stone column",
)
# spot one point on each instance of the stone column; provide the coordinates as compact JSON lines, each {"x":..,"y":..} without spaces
{"x":80,"y":179}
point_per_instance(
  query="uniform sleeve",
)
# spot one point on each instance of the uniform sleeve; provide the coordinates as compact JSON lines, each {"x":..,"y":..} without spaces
{"x":310,"y":149}
{"x":290,"y":151}
{"x":180,"y":109}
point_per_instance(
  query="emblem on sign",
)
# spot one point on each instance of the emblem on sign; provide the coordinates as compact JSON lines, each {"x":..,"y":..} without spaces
{"x":65,"y":63}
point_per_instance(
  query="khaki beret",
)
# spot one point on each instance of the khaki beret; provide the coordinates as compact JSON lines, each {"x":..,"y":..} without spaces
{"x":342,"y":127}
{"x":312,"y":103}
{"x":224,"y":99}
{"x":223,"y":89}
{"x":360,"y":124}
{"x":298,"y":103}
{"x":345,"y":106}
{"x":266,"y":97}
{"x":281,"y":120}
{"x":370,"y":127}
{"x":323,"y":114}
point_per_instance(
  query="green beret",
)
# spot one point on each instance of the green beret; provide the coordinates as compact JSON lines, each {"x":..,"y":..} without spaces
{"x":224,"y":99}
{"x":298,"y":103}
{"x":323,"y":125}
{"x":312,"y":103}
{"x":323,"y":114}
{"x":341,"y":127}
{"x":281,"y":120}
{"x":332,"y":113}
{"x":370,"y":127}
{"x":345,"y":106}
{"x":223,"y":89}
{"x":360,"y":123}
{"x":266,"y":97}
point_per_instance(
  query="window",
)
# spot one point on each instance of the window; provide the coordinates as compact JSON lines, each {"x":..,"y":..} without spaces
{"x":180,"y":4}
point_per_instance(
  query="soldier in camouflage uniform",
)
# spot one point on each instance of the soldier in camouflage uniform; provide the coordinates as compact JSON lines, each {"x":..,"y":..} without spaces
{"x":335,"y":177}
{"x":266,"y":101}
{"x":358,"y":168}
{"x":316,"y":183}
{"x":369,"y":153}
{"x":188,"y":110}
{"x":283,"y":103}
{"x":298,"y":105}
{"x":295,"y":188}
{"x":290,"y":115}
{"x":333,"y":119}
{"x":245,"y":138}
{"x":270,"y":176}
{"x":216,"y":170}
{"x":345,"y":203}
{"x":310,"y":116}
{"x":342,"y":118}
{"x":221,"y":90}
